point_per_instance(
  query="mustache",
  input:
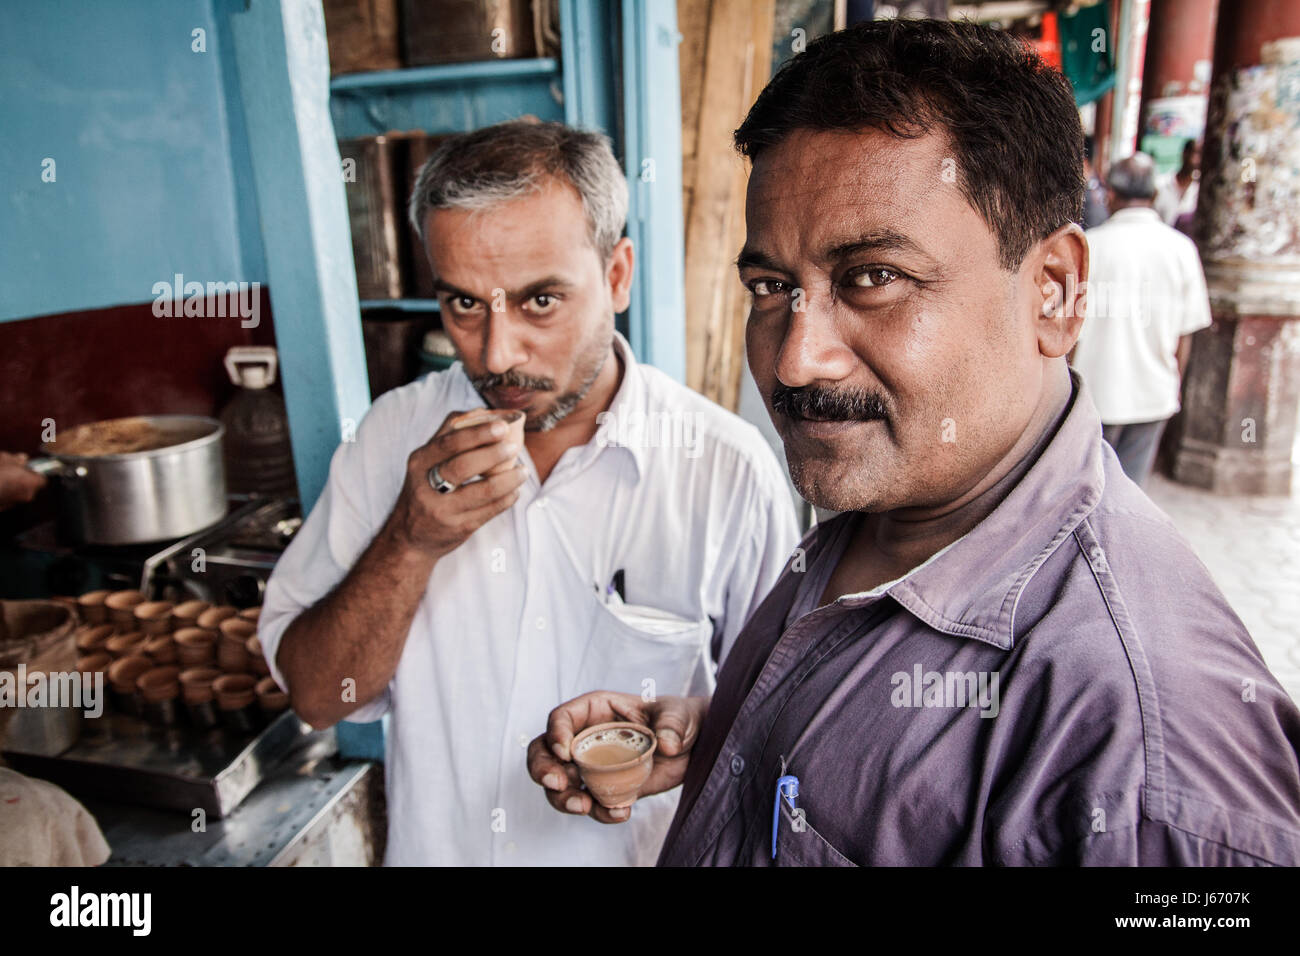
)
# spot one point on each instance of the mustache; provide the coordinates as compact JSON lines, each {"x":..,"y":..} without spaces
{"x":829,"y":404}
{"x":512,"y":379}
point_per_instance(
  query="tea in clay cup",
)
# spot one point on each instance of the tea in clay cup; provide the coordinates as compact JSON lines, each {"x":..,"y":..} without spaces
{"x":514,"y":419}
{"x":614,"y":760}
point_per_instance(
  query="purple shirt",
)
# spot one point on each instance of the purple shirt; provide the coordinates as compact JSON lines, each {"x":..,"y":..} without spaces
{"x":1063,"y":685}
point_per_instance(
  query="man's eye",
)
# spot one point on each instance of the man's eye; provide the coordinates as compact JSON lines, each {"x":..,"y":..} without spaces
{"x":461,"y":304}
{"x":764,"y":287}
{"x":543,"y":303}
{"x":874,"y":276}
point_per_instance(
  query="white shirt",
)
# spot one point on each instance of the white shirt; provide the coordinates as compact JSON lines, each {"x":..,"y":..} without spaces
{"x":1145,"y":291}
{"x":512,"y":622}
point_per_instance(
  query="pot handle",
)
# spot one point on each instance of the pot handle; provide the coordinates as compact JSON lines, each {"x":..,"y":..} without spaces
{"x":56,"y":468}
{"x":48,"y":467}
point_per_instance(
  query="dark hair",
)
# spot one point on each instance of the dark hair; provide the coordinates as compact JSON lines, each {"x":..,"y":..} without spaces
{"x":1011,"y":120}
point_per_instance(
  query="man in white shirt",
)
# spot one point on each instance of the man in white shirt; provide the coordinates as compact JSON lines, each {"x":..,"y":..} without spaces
{"x":623,"y":546}
{"x":1146,"y":295}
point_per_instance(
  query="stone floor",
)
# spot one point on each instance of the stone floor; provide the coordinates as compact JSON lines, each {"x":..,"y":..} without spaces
{"x":1252,"y":548}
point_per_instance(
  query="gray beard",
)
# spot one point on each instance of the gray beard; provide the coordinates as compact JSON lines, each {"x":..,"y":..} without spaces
{"x":563,"y":406}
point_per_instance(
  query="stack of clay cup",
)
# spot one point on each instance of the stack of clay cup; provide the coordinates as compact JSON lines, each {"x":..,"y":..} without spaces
{"x":164,"y":660}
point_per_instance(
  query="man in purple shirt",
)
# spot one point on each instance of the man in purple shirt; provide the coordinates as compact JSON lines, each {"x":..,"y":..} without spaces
{"x":1001,"y":652}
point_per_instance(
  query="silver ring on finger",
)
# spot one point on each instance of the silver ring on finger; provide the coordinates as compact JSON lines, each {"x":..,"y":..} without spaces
{"x":439,"y":483}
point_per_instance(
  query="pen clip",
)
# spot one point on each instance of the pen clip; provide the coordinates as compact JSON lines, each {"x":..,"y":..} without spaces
{"x":786,"y":786}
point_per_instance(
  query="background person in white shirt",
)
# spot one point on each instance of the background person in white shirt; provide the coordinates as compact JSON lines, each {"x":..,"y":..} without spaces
{"x":1177,"y":192}
{"x":466,"y":615}
{"x":1146,"y":295}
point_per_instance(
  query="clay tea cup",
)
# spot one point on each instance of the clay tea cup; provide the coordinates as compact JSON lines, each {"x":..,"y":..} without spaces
{"x":211,"y":618}
{"x":186,"y":614}
{"x":154,"y":617}
{"x":123,"y":644}
{"x":91,"y":607}
{"x":614,"y":760}
{"x":121,"y":609}
{"x":91,"y":638}
{"x":270,"y":698}
{"x":512,"y":417}
{"x":195,"y":647}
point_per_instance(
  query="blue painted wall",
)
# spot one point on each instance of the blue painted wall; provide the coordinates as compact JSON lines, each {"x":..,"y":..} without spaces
{"x":152,"y":168}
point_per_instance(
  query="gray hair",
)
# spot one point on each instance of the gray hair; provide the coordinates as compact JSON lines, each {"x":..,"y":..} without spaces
{"x":488,"y":166}
{"x":1134,"y":177}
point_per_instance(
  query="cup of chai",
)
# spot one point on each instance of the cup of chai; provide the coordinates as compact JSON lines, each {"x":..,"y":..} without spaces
{"x":513,"y":418}
{"x":614,"y":760}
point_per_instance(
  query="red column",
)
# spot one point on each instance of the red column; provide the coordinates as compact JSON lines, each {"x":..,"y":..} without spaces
{"x":1180,"y":35}
{"x":1242,"y":389}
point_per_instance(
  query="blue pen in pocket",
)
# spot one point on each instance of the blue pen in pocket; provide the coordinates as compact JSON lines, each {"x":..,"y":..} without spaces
{"x":788,"y":787}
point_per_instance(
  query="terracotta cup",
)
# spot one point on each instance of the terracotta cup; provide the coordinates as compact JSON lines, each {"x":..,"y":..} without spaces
{"x":196,"y":692}
{"x":160,"y":691}
{"x":196,"y":647}
{"x":154,"y":617}
{"x":514,"y":419}
{"x":196,"y":684}
{"x":235,"y":691}
{"x":91,"y":607}
{"x":186,"y":614}
{"x":256,"y":659}
{"x":92,"y":637}
{"x":237,"y":629}
{"x":159,"y":683}
{"x":213,"y":616}
{"x":122,"y":674}
{"x":120,"y":645}
{"x":232,"y":656}
{"x":122,"y":677}
{"x":614,"y":760}
{"x":270,"y":698}
{"x":94,"y":662}
{"x":161,"y":649}
{"x":121,"y":608}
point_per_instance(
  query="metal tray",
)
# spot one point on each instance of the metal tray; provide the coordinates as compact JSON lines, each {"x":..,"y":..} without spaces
{"x":128,"y":760}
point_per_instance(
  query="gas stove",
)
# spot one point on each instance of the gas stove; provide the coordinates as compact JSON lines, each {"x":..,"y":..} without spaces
{"x":226,"y":563}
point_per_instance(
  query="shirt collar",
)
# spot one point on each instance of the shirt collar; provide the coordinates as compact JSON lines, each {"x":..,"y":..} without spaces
{"x":1134,"y":213}
{"x":971,"y":588}
{"x":617,"y":426}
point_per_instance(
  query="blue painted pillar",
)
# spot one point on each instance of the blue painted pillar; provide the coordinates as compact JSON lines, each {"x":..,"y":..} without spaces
{"x":284,"y":83}
{"x":283,"y":68}
{"x":637,"y":38}
{"x":652,"y":156}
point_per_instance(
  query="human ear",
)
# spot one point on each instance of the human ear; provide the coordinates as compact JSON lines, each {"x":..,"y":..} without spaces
{"x":618,"y":272}
{"x":1062,"y":277}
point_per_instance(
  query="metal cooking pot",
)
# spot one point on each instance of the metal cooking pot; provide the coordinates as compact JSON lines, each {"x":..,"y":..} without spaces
{"x":109,"y":493}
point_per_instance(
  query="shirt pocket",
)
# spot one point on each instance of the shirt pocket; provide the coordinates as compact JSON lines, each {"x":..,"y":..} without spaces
{"x":804,"y":846}
{"x":630,"y":645}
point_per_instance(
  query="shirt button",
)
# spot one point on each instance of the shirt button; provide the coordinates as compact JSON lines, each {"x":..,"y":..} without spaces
{"x":541,"y":503}
{"x":510,"y":847}
{"x":737,"y":765}
{"x":523,"y":740}
{"x":541,"y":623}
